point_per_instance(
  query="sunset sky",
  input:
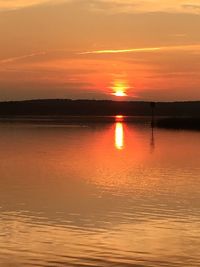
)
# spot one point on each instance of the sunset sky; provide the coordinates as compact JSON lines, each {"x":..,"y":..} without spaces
{"x":97,"y":49}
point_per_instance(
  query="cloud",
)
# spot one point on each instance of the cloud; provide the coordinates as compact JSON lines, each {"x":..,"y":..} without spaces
{"x":6,"y":5}
{"x":114,"y":6}
{"x":151,"y":49}
{"x":147,"y":49}
{"x":192,"y":7}
{"x":13,"y":59}
{"x":146,"y":6}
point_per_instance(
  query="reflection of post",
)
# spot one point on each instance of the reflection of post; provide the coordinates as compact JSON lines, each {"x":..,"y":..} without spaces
{"x":152,"y":143}
{"x":153,"y":105}
{"x":119,"y":136}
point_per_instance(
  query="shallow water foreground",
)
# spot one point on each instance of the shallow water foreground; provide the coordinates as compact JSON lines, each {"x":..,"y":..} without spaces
{"x":99,"y":195}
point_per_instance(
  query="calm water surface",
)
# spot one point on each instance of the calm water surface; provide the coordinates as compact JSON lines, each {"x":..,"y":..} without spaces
{"x":99,"y":195}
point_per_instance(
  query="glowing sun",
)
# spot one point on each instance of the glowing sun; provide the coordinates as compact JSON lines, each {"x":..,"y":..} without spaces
{"x":119,"y":88}
{"x":120,"y":93}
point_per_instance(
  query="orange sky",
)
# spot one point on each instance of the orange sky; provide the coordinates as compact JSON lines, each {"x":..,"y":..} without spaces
{"x":89,"y":49}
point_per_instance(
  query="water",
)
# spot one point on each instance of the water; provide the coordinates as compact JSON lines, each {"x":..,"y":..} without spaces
{"x":99,"y":195}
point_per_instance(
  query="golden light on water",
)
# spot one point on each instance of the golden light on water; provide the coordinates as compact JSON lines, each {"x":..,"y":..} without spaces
{"x":119,"y":136}
{"x":119,"y":118}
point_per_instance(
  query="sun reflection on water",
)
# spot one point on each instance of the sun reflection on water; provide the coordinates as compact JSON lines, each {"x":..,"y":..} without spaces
{"x":119,"y":118}
{"x":119,"y":136}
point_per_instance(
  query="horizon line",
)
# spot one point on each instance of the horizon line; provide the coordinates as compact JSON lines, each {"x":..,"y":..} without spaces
{"x":86,"y":99}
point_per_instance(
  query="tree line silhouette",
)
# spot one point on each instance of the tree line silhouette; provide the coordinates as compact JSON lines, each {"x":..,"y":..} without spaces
{"x":62,"y":107}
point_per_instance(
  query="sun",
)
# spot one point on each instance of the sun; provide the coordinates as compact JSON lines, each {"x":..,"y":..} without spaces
{"x":120,"y":93}
{"x":120,"y":88}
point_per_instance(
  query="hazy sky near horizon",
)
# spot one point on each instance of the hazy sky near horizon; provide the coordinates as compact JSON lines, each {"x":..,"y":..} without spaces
{"x":148,"y":49}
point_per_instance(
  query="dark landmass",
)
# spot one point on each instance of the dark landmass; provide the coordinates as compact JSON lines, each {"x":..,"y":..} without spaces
{"x":59,"y":107}
{"x":191,"y":123}
{"x":172,"y":115}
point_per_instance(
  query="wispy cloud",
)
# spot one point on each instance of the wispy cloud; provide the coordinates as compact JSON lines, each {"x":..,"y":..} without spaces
{"x":145,"y":50}
{"x":147,"y":6}
{"x":6,"y":5}
{"x":115,"y":51}
{"x":114,"y":6}
{"x":13,"y":59}
{"x":195,"y":48}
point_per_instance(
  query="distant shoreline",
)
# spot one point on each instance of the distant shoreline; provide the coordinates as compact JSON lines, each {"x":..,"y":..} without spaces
{"x":66,"y":107}
{"x":169,"y":115}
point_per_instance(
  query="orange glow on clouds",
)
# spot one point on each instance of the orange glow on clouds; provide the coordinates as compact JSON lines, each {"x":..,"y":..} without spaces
{"x":151,"y":61}
{"x":145,"y":49}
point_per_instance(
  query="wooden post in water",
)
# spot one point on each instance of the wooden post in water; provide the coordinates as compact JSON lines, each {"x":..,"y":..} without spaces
{"x":153,"y":105}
